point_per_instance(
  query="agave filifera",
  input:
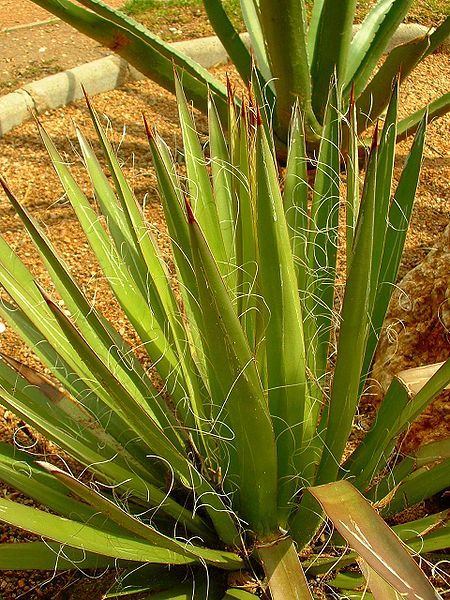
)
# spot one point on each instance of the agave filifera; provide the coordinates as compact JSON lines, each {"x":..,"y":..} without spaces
{"x":295,"y":56}
{"x":228,"y":469}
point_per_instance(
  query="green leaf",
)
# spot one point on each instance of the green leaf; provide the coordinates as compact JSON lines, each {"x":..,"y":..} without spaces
{"x":337,"y":417}
{"x":227,"y":34}
{"x":237,"y":379}
{"x":283,"y":570}
{"x":136,"y":527}
{"x":317,"y":7}
{"x":370,"y":41}
{"x":50,"y":556}
{"x":284,"y":26}
{"x":236,"y":594}
{"x":370,"y":456}
{"x":353,"y":183}
{"x":134,"y":304}
{"x":28,"y":403}
{"x":353,"y":332}
{"x":222,"y":181}
{"x":322,"y":240}
{"x":200,"y":191}
{"x":85,"y":537}
{"x":425,"y":456}
{"x":289,"y":404}
{"x":375,"y":542}
{"x":397,"y":224}
{"x":418,"y":486}
{"x":333,"y":35}
{"x":250,"y":10}
{"x":144,"y":50}
{"x":295,"y":197}
{"x":147,"y":578}
{"x":157,"y":285}
{"x":112,"y":350}
{"x":246,"y":243}
{"x":435,"y":109}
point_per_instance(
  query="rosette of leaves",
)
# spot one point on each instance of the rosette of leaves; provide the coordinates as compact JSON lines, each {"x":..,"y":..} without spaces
{"x":296,"y":56}
{"x":208,"y":485}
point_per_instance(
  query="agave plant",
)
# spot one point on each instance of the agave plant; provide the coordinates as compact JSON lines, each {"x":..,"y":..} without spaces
{"x":295,"y":58}
{"x":208,"y":485}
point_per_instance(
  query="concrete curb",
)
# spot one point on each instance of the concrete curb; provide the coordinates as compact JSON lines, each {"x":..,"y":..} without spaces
{"x":105,"y":74}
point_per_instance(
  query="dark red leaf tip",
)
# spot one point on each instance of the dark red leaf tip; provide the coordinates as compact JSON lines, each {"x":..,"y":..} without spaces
{"x":148,"y":129}
{"x":190,"y":212}
{"x":374,"y":145}
{"x":352,"y":95}
{"x":230,"y":91}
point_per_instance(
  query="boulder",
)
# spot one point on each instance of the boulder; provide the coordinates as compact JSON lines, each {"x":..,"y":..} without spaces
{"x":416,"y":333}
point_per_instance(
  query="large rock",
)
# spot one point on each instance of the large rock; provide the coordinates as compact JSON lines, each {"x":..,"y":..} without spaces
{"x":417,"y":332}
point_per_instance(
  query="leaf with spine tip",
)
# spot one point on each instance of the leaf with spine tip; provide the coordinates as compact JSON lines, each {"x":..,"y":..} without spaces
{"x":395,"y":236}
{"x":289,"y":403}
{"x":221,"y":169}
{"x":295,"y":195}
{"x":154,"y":271}
{"x":74,"y":385}
{"x":353,"y":333}
{"x":353,"y":183}
{"x":322,"y":240}
{"x":246,"y":244}
{"x":198,"y":182}
{"x":133,"y":303}
{"x":122,"y":232}
{"x":373,"y":540}
{"x":237,"y":378}
{"x":172,"y":200}
{"x":113,"y":351}
{"x":29,"y":404}
{"x":136,"y":527}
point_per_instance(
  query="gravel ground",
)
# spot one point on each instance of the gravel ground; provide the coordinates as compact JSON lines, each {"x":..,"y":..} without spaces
{"x":26,"y":167}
